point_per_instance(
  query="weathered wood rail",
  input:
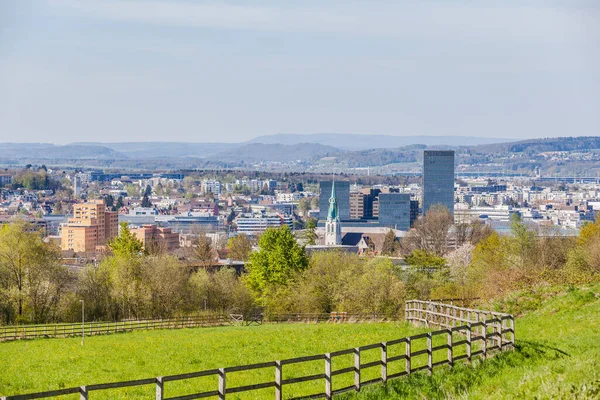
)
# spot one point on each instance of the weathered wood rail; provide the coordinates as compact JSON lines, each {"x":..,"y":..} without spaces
{"x":16,"y":332}
{"x":484,"y":332}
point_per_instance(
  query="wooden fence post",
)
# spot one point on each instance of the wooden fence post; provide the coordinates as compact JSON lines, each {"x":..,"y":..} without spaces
{"x":407,"y":353}
{"x":328,"y":376}
{"x":278,"y":378}
{"x":512,"y":333}
{"x":429,"y":354}
{"x":384,"y":362}
{"x":469,"y":329}
{"x":222,"y":384}
{"x":357,"y":369}
{"x":450,"y":352}
{"x":160,"y":388}
{"x":484,"y":339}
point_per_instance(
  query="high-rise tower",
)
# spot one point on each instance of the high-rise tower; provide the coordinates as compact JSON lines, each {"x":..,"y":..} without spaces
{"x":438,"y":179}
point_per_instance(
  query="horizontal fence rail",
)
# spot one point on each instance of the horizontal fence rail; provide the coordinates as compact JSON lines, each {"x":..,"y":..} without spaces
{"x":16,"y":332}
{"x":422,"y":352}
{"x":432,"y":313}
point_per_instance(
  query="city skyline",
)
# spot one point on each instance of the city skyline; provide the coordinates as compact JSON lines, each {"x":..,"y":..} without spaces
{"x":75,"y":71}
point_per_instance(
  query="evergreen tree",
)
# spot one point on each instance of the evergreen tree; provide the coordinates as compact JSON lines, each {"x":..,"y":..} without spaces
{"x":310,"y":234}
{"x":389,"y":244}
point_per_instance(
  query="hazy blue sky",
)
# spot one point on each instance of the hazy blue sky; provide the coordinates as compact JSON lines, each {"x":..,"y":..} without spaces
{"x":121,"y":70}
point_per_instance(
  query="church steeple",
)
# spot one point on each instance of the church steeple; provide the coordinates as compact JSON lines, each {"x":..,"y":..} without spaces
{"x":333,"y":228}
{"x":333,"y":206}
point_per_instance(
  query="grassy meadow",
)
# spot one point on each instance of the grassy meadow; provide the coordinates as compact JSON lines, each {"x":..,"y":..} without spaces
{"x":557,"y":355}
{"x":47,"y":364}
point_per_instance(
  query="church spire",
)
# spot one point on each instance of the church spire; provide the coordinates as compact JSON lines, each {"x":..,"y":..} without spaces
{"x":333,"y":206}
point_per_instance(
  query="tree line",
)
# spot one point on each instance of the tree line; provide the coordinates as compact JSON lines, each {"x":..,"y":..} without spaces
{"x":280,"y":277}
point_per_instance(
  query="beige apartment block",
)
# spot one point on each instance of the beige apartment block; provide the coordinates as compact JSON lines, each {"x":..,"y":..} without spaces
{"x":91,"y":228}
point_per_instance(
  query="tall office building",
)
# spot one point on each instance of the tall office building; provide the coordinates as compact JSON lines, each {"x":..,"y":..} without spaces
{"x":342,"y":195}
{"x":438,"y":179}
{"x":394,"y":210}
{"x":76,"y":186}
{"x":357,"y":205}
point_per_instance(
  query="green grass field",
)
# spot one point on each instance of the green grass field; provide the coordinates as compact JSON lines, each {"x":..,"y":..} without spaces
{"x":47,"y":364}
{"x":557,"y":356}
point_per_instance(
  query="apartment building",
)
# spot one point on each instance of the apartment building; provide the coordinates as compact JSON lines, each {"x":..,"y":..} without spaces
{"x":91,"y":227}
{"x":152,"y":235}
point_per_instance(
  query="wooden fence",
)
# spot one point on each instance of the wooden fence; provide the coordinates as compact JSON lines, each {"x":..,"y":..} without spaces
{"x":16,"y":332}
{"x":492,"y":332}
{"x":444,"y":315}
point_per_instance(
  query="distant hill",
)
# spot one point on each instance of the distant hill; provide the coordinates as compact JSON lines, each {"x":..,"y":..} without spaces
{"x":166,"y":149}
{"x":257,"y":152}
{"x":364,"y":142}
{"x":51,"y":152}
{"x":581,"y":143}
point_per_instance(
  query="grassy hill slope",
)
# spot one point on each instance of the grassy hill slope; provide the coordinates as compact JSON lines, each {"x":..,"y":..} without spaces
{"x":557,"y":355}
{"x":48,"y":364}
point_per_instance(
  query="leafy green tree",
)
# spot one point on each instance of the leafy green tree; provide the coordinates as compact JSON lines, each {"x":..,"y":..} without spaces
{"x":120,"y":203}
{"x":125,"y":268}
{"x":523,"y":242}
{"x":425,"y":262}
{"x":126,"y":244}
{"x":278,"y":259}
{"x":31,"y":278}
{"x":239,"y":247}
{"x":310,"y":233}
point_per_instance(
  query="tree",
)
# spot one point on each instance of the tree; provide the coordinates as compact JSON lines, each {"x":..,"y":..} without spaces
{"x":425,"y":262}
{"x":109,"y":200}
{"x":303,"y":206}
{"x":430,"y":233}
{"x":146,"y":201}
{"x":166,"y":284}
{"x":203,"y":251}
{"x":472,"y":232}
{"x":30,"y":275}
{"x":239,"y":247}
{"x":274,"y":265}
{"x":523,"y":242}
{"x":220,"y":291}
{"x":120,"y":204}
{"x":126,"y":244}
{"x":314,"y":203}
{"x":125,"y":270}
{"x":389,"y":244}
{"x":310,"y":234}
